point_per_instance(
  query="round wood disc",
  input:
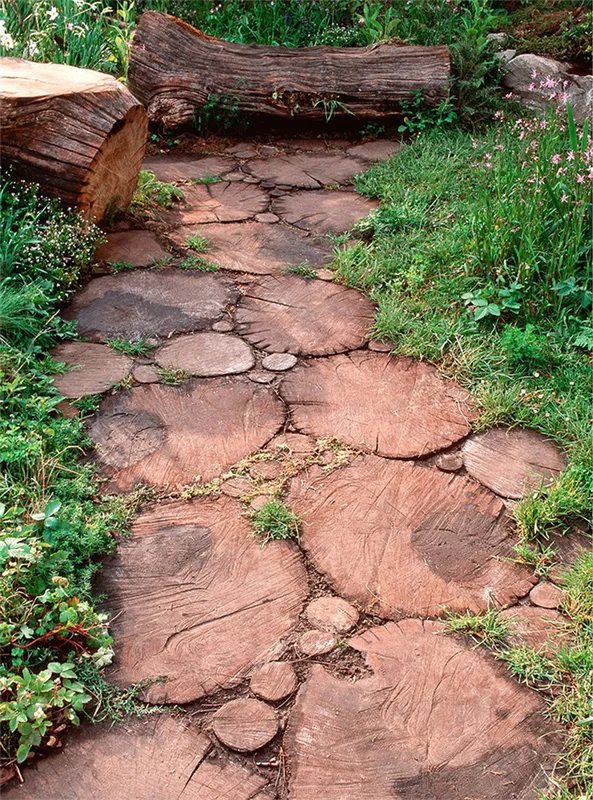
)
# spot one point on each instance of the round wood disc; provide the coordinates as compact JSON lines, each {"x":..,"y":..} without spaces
{"x":218,"y":202}
{"x":303,"y":316}
{"x":273,"y":681}
{"x":322,"y":211}
{"x":331,"y":614}
{"x":186,"y":167}
{"x":139,"y":248}
{"x":142,"y":303}
{"x":245,"y":724}
{"x":512,"y":461}
{"x":541,"y":629}
{"x":395,"y":407}
{"x":258,"y":248}
{"x":397,"y":537}
{"x":145,"y":759}
{"x":171,"y":435}
{"x":95,"y":368}
{"x":197,"y":600}
{"x":306,"y":171}
{"x":207,"y":354}
{"x":436,"y":719}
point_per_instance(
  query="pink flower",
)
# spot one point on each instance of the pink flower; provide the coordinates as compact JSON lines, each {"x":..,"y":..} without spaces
{"x":550,"y":83}
{"x":543,"y":124}
{"x":532,"y":87}
{"x":534,"y":74}
{"x":564,"y":198}
{"x":555,"y":159}
{"x":570,"y":156}
{"x":508,"y":96}
{"x":487,"y":156}
{"x":580,"y":179}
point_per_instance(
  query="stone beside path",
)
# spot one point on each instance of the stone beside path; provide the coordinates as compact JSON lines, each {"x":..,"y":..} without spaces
{"x":258,"y":383}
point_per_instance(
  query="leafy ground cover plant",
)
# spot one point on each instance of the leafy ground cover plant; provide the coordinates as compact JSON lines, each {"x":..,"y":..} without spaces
{"x":151,"y":195}
{"x":275,"y":521}
{"x":52,"y":529}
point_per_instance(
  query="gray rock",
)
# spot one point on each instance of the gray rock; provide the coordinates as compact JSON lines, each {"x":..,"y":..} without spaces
{"x":278,"y":362}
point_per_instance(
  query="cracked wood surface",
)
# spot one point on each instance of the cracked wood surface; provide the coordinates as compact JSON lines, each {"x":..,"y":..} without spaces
{"x":218,"y":202}
{"x":197,"y":600}
{"x":394,"y":407}
{"x":172,"y":435}
{"x":287,"y":314}
{"x":396,"y":537}
{"x":435,"y":720}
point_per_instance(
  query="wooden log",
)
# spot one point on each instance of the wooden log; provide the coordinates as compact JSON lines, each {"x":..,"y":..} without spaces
{"x":174,"y":69}
{"x":78,"y":133}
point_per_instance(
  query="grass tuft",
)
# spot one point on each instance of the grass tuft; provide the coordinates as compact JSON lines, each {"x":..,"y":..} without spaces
{"x":275,"y":521}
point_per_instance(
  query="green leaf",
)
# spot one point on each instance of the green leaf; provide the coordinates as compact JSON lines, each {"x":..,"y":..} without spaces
{"x":22,"y":753}
{"x":52,"y":508}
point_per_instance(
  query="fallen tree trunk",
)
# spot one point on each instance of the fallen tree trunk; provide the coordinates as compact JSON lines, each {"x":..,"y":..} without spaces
{"x":175,"y":70}
{"x":79,"y":134}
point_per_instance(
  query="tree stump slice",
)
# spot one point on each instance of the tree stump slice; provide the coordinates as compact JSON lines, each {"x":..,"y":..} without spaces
{"x":218,"y":202}
{"x":245,"y":724}
{"x":394,"y":407}
{"x":138,"y":248}
{"x":316,"y":643}
{"x":542,"y":629}
{"x":331,"y":614}
{"x":273,"y":681}
{"x":198,"y":600}
{"x":173,"y":169}
{"x":78,"y":133}
{"x":157,"y":757}
{"x":307,"y":171}
{"x":303,"y":316}
{"x":96,"y":368}
{"x":396,"y":537}
{"x":512,"y":461}
{"x":258,"y":248}
{"x":137,"y":304}
{"x":375,"y":151}
{"x":435,"y":720}
{"x":174,"y":69}
{"x":172,"y":435}
{"x":207,"y":354}
{"x":322,"y":211}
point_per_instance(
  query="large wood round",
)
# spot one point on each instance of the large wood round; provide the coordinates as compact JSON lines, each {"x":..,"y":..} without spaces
{"x":395,"y":407}
{"x":218,"y":202}
{"x":399,"y":537}
{"x":436,"y":720}
{"x":157,"y":758}
{"x":172,"y":435}
{"x":322,"y":211}
{"x":245,"y":724}
{"x":197,"y":600}
{"x":303,"y":316}
{"x":257,"y":247}
{"x":187,"y":166}
{"x":142,"y":303}
{"x":78,"y":133}
{"x":512,"y":461}
{"x":307,"y":171}
{"x":206,"y":354}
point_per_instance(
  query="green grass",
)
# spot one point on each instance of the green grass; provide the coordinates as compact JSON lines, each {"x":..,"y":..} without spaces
{"x":171,"y":376}
{"x":206,"y":180}
{"x":151,"y":195}
{"x":131,"y":348}
{"x":275,"y":521}
{"x":303,"y":270}
{"x":487,"y":628}
{"x":198,"y":263}
{"x":197,"y":243}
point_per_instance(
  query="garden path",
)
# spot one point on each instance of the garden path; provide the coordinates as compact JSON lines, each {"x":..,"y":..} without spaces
{"x":317,"y":669}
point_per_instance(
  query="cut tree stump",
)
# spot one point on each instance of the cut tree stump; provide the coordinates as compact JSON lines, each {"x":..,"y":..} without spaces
{"x":78,"y":133}
{"x":175,"y":69}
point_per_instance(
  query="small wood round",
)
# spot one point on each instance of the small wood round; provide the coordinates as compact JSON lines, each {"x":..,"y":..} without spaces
{"x":316,"y":643}
{"x":95,"y":368}
{"x":303,"y":317}
{"x":207,"y":354}
{"x":395,"y":407}
{"x":274,"y":681}
{"x":331,"y":614}
{"x":245,"y":725}
{"x":512,"y":461}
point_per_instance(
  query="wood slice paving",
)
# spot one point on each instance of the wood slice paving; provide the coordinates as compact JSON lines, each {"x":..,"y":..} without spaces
{"x":137,"y":304}
{"x":394,"y":407}
{"x":395,"y":537}
{"x":160,"y":758}
{"x":197,"y":600}
{"x":171,"y":435}
{"x":258,"y":248}
{"x":436,"y":720}
{"x":400,"y":508}
{"x":303,"y":317}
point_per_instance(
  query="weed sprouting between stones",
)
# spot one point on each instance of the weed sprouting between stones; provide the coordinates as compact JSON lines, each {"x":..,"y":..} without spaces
{"x":197,"y":243}
{"x":131,"y":348}
{"x":275,"y":521}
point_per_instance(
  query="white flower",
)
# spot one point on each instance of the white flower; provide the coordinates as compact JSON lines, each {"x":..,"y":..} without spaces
{"x":52,"y":13}
{"x":39,"y":713}
{"x":6,"y":39}
{"x":32,"y":48}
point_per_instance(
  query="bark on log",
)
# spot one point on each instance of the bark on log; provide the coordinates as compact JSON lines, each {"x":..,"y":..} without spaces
{"x":79,"y":134}
{"x":175,"y":69}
